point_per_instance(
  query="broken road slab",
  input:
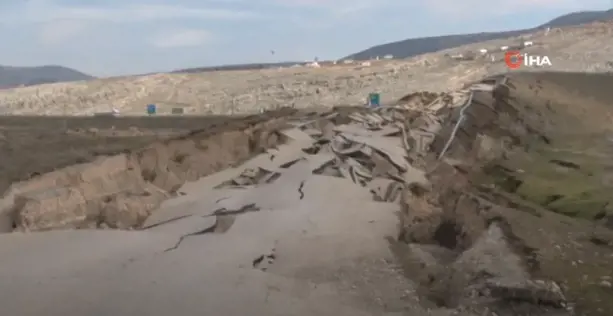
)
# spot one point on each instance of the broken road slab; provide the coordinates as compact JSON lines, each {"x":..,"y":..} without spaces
{"x":361,"y":131}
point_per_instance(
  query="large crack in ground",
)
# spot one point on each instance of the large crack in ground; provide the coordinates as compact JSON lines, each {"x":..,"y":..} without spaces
{"x":224,"y":219}
{"x":121,"y":191}
{"x":222,"y":225}
{"x":300,"y":187}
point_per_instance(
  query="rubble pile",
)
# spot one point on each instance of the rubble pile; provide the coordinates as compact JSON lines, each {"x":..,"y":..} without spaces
{"x":370,"y":150}
{"x":456,"y":241}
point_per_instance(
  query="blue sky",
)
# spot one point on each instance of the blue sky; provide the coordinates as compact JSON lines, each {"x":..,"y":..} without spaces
{"x":117,"y":37}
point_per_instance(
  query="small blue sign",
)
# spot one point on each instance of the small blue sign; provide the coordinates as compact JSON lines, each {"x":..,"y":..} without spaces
{"x":374,"y":100}
{"x":151,"y":109}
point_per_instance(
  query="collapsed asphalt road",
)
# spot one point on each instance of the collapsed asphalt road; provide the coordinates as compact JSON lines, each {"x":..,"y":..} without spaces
{"x":300,"y":216}
{"x":273,"y":236}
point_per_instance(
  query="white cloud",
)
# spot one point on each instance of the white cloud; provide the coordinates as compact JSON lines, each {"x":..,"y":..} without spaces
{"x":462,"y":9}
{"x":60,"y":31}
{"x":181,"y":38}
{"x":339,"y":7}
{"x":100,"y":37}
{"x":43,"y":11}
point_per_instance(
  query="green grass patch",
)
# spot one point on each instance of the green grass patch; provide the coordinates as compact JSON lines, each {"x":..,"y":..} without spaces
{"x":567,"y":181}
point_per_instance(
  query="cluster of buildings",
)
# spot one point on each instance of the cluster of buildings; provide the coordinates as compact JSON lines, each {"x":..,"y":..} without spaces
{"x":315,"y":63}
{"x":484,"y":52}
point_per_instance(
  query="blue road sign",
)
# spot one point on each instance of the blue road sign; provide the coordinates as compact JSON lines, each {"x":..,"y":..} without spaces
{"x":374,"y":100}
{"x":151,"y":109}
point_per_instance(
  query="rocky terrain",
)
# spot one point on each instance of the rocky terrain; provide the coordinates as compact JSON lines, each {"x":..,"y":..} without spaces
{"x":418,"y":46}
{"x":487,"y":195}
{"x":11,"y":77}
{"x":585,"y":48}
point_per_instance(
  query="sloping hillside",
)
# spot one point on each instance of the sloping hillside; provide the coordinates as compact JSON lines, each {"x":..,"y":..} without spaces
{"x":237,"y":67}
{"x":417,"y":46}
{"x":27,"y":76}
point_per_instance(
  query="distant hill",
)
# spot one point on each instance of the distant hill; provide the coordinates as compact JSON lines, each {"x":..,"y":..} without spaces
{"x":27,"y":76}
{"x":418,"y":46}
{"x":238,"y":67}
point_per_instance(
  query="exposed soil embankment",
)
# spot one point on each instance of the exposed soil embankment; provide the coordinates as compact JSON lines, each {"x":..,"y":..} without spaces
{"x":506,"y":217}
{"x":32,"y":146}
{"x":120,"y":191}
{"x":557,"y":143}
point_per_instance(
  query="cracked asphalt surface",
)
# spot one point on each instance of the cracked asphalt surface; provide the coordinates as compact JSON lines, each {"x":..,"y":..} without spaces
{"x":263,"y":262}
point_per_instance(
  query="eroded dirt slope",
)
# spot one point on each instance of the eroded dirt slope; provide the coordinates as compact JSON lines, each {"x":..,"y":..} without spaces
{"x":533,"y":155}
{"x":36,"y":146}
{"x":33,"y":145}
{"x":563,"y":123}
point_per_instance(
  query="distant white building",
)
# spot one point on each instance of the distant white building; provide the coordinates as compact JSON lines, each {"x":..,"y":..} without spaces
{"x":388,"y":56}
{"x":503,"y":48}
{"x":366,"y":64}
{"x":348,"y":61}
{"x":528,"y":43}
{"x":483,"y":51}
